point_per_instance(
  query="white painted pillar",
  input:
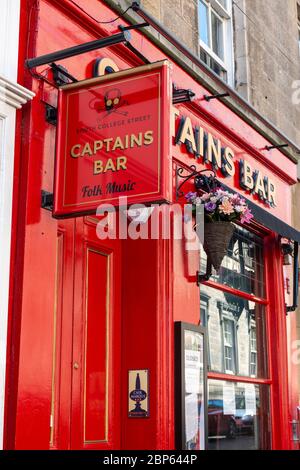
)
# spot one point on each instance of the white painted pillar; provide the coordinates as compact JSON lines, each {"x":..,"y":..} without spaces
{"x":12,"y":97}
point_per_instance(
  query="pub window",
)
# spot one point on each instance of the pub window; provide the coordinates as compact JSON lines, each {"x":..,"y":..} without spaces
{"x":204,"y":311}
{"x":253,"y":351}
{"x":238,"y":411}
{"x":215,"y":36}
{"x":229,"y":346}
{"x":204,"y":317}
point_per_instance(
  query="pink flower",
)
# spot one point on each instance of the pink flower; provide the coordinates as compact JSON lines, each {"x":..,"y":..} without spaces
{"x":205,"y":197}
{"x":236,"y":200}
{"x":226,"y":207}
{"x":247,"y":217}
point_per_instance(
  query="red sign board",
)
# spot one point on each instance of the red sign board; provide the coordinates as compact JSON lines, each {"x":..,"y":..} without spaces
{"x":113,"y":140}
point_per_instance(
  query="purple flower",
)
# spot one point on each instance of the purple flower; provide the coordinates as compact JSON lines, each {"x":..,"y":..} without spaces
{"x":190,"y":196}
{"x":210,"y":206}
{"x":247,"y":217}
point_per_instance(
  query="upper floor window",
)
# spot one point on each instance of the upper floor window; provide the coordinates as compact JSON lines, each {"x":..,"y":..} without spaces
{"x":215,"y":33}
{"x":253,"y":351}
{"x":229,"y":346}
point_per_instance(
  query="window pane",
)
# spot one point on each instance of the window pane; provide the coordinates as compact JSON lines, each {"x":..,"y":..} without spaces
{"x":236,"y":334}
{"x":203,"y":23}
{"x":243,"y":267}
{"x":203,"y":315}
{"x":238,"y":416}
{"x":211,"y":63}
{"x":217,"y":35}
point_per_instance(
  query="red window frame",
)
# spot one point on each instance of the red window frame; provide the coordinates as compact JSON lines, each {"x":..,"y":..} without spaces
{"x":273,"y":301}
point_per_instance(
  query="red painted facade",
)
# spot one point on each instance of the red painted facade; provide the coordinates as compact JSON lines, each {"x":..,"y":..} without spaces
{"x":83,"y":311}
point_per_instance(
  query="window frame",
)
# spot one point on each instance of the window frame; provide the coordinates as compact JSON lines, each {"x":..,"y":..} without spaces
{"x":204,"y":305}
{"x":225,"y":16}
{"x":252,"y":351}
{"x":231,"y":346}
{"x":227,"y":315}
{"x":275,"y":342}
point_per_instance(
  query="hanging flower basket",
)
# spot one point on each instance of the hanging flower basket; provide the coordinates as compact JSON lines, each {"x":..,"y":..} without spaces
{"x":221,"y":209}
{"x":217,"y":237}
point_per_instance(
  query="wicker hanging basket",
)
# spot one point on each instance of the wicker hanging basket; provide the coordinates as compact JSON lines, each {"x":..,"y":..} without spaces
{"x":217,"y":236}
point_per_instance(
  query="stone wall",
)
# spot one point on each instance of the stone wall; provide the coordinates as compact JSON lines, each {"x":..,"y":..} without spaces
{"x":179,"y":16}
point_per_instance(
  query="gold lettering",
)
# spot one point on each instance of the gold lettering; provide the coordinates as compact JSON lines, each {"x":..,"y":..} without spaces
{"x":109,"y":165}
{"x":229,"y":165}
{"x":272,"y":193}
{"x":121,"y":163}
{"x":103,"y":64}
{"x":148,"y":138}
{"x":75,"y":147}
{"x":187,"y":133}
{"x":86,"y":150}
{"x":108,"y":142}
{"x":214,"y":151}
{"x":259,"y":186}
{"x":246,"y":175}
{"x":98,"y":144}
{"x":126,"y":141}
{"x":98,"y":167}
{"x":201,"y":141}
{"x":134,"y":140}
{"x":118,"y":144}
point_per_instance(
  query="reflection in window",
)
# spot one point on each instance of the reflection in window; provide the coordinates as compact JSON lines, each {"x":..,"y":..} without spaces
{"x":217,"y":35}
{"x":203,"y":22}
{"x":236,"y":334}
{"x":238,"y":416}
{"x":204,"y":306}
{"x":242,"y":268}
{"x":253,"y":352}
{"x":229,"y":346}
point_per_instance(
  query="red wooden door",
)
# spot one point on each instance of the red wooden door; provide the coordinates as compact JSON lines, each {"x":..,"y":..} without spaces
{"x":85,"y":394}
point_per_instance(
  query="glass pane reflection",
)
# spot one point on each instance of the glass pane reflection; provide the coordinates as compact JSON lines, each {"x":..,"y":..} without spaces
{"x":236,"y":332}
{"x":238,"y":416}
{"x":242,"y":268}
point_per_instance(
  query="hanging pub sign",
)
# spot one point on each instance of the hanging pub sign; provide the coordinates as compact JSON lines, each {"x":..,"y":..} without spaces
{"x":113,"y":140}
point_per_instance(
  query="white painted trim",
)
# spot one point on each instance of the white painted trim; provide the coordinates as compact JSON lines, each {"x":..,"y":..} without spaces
{"x":13,"y":93}
{"x":225,"y":15}
{"x":9,"y":36}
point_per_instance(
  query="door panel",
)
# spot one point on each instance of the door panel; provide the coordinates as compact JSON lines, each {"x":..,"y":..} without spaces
{"x":96,"y":347}
{"x":88,"y":370}
{"x":62,"y":341}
